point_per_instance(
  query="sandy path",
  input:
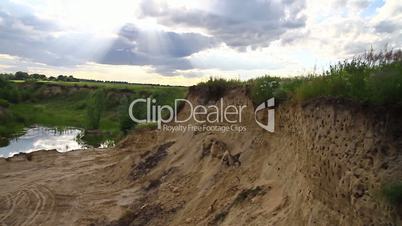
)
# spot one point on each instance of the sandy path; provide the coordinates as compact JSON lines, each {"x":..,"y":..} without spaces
{"x":57,"y":189}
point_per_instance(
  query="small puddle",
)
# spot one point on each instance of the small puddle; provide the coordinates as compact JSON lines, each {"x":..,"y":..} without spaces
{"x":39,"y":138}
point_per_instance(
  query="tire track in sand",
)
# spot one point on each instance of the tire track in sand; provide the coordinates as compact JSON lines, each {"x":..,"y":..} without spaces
{"x":30,"y":204}
{"x":8,"y":205}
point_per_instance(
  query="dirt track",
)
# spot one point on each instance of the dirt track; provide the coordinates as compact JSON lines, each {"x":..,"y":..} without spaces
{"x":58,"y":189}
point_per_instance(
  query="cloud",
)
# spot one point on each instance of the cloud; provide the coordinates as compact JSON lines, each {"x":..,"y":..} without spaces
{"x":165,"y":51}
{"x":28,"y":36}
{"x":195,"y":38}
{"x":238,"y":23}
{"x":386,"y":26}
{"x":38,"y":40}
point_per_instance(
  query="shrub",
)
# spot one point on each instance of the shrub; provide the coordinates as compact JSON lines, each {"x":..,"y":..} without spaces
{"x":95,"y":107}
{"x":216,"y":87}
{"x":125,"y":121}
{"x":139,"y":111}
{"x":265,"y":87}
{"x":8,"y":91}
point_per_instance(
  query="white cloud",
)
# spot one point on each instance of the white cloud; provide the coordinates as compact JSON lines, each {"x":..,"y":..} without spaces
{"x":196,"y":38}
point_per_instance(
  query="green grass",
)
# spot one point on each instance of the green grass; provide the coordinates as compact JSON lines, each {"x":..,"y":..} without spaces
{"x":64,"y":112}
{"x":7,"y":129}
{"x":50,"y":114}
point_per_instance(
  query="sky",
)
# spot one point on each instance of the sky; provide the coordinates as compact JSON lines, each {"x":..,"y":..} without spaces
{"x":184,"y":42}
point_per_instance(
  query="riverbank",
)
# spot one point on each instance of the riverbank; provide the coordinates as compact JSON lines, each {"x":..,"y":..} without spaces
{"x":65,"y":104}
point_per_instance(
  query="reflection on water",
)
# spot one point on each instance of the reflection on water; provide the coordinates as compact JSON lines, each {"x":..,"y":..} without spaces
{"x":39,"y":138}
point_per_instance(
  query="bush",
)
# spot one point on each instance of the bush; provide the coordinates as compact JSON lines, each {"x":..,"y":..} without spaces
{"x":8,"y":91}
{"x":216,"y":87}
{"x":95,"y":107}
{"x":125,"y":121}
{"x":265,"y":87}
{"x":139,"y":111}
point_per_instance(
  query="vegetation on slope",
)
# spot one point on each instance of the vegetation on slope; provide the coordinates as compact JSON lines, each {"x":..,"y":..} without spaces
{"x":374,"y":78}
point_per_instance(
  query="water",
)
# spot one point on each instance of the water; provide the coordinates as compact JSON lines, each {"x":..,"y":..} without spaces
{"x":39,"y":138}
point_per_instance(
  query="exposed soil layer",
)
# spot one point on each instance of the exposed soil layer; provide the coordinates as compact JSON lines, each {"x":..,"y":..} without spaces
{"x":325,"y":165}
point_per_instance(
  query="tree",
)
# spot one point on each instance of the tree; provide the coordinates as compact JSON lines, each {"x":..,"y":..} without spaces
{"x":95,"y":107}
{"x":21,"y":75}
{"x":8,"y":76}
{"x":38,"y":77}
{"x":139,"y":111}
{"x":71,"y":79}
{"x":8,"y":91}
{"x":125,"y":121}
{"x":61,"y":78}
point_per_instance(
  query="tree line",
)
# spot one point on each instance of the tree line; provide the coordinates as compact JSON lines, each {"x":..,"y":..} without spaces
{"x":24,"y":76}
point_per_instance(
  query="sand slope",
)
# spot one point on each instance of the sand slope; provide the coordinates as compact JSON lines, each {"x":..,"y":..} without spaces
{"x":324,"y":165}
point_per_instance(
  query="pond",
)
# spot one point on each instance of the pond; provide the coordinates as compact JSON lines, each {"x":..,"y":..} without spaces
{"x":63,"y":140}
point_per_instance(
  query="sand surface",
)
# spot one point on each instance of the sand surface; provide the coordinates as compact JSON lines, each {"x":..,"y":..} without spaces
{"x":320,"y":167}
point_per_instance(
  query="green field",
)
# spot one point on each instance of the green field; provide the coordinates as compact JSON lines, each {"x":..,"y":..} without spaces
{"x":110,"y":85}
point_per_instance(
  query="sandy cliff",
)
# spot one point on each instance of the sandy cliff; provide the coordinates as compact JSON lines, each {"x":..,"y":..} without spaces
{"x":324,"y":165}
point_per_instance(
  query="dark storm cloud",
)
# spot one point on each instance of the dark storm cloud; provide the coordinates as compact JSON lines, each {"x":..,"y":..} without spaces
{"x":238,"y":23}
{"x":165,"y":51}
{"x":169,"y":44}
